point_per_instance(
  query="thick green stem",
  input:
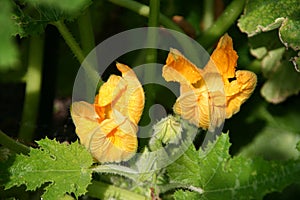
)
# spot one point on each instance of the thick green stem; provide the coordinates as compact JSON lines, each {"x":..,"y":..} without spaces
{"x":33,"y":81}
{"x":86,"y":32}
{"x":208,"y":17}
{"x":222,"y":24}
{"x":70,"y":40}
{"x":12,"y":144}
{"x":154,"y":13}
{"x":105,"y":191}
{"x":152,"y":39}
{"x":144,"y":11}
{"x":91,"y":72}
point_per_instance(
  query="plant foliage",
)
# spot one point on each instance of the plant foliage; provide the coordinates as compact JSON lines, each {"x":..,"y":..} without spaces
{"x":60,"y":168}
{"x":259,"y":157}
{"x":274,"y":27}
{"x":214,"y":174}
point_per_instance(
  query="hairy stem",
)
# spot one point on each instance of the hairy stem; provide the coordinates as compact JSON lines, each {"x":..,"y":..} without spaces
{"x":70,"y":40}
{"x":86,"y":32}
{"x":92,"y":76}
{"x":151,"y":55}
{"x":208,"y":16}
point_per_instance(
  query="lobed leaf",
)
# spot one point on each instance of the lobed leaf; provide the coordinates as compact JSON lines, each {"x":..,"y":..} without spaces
{"x":265,"y":15}
{"x":38,"y":14}
{"x":183,"y":195}
{"x":278,"y":137}
{"x":63,"y":168}
{"x":282,"y":83}
{"x":214,"y":174}
{"x":282,"y":78}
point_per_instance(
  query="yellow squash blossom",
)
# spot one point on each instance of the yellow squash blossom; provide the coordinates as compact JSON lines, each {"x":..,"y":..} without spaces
{"x":108,"y":127}
{"x":228,"y":89}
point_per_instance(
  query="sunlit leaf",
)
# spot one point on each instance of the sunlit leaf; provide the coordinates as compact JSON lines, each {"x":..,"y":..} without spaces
{"x":261,"y":16}
{"x":182,"y":195}
{"x":64,"y":167}
{"x":214,"y":174}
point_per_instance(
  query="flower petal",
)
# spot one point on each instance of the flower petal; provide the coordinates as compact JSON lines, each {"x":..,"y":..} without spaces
{"x":108,"y":127}
{"x":216,"y":97}
{"x":85,"y":120}
{"x":225,"y":57}
{"x":124,"y":94}
{"x":208,"y":96}
{"x":193,"y":105}
{"x":217,"y":107}
{"x":114,"y":142}
{"x":109,"y":141}
{"x":180,"y":69}
{"x":111,"y":90}
{"x":134,"y":98}
{"x":239,"y":90}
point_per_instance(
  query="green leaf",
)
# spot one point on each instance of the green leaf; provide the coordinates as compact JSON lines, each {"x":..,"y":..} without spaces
{"x":69,"y":6}
{"x":273,"y":143}
{"x":5,"y":153}
{"x":64,"y":167}
{"x":38,"y":14}
{"x":214,"y":174}
{"x":26,"y":25}
{"x":55,"y":10}
{"x":296,"y":62}
{"x":298,"y":146}
{"x":289,"y":31}
{"x":282,"y":83}
{"x":282,"y":78}
{"x":277,"y":139}
{"x":265,"y":15}
{"x":183,"y":195}
{"x":8,"y":50}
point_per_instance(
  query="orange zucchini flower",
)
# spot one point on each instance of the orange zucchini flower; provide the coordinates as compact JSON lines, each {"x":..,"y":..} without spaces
{"x":108,"y":127}
{"x":212,"y":92}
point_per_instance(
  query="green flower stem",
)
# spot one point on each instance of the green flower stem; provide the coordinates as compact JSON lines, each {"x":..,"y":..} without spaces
{"x":208,"y":16}
{"x":154,"y":13}
{"x":104,"y":191}
{"x":13,"y":145}
{"x":229,"y":15}
{"x":70,"y":40}
{"x":33,"y":79}
{"x":91,"y":72}
{"x":151,"y":55}
{"x":86,"y":32}
{"x":145,"y":11}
